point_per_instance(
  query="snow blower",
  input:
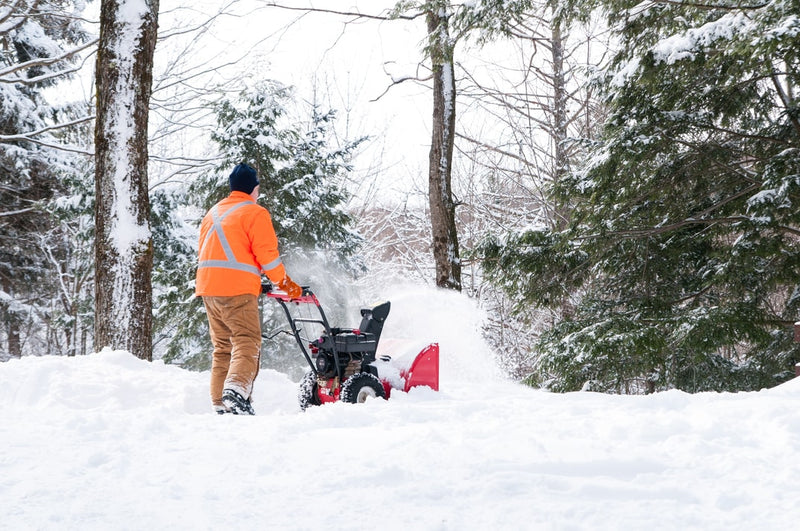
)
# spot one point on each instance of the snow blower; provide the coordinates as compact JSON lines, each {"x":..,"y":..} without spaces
{"x":343,"y":361}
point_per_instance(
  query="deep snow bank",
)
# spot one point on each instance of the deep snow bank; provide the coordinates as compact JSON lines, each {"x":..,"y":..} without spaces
{"x":108,"y":441}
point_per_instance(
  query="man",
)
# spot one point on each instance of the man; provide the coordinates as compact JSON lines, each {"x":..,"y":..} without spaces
{"x":237,"y":245}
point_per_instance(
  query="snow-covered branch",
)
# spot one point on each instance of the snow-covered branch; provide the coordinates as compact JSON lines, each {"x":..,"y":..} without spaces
{"x":16,"y":212}
{"x":714,"y":7}
{"x":397,"y":80}
{"x":62,"y":147}
{"x":28,"y":137}
{"x":42,"y":61}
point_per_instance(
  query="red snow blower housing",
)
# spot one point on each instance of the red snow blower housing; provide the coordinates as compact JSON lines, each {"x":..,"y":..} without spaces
{"x":343,"y":360}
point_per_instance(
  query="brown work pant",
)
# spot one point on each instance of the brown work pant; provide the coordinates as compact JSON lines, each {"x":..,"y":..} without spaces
{"x":236,"y":335}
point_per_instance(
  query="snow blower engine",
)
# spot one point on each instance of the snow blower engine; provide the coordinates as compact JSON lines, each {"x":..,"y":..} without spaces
{"x":343,"y":361}
{"x":353,"y":350}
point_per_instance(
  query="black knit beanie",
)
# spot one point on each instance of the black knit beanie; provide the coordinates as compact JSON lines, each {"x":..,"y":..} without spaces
{"x":243,"y":178}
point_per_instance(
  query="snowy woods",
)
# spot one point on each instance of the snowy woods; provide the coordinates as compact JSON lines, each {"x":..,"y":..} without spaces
{"x":612,"y":183}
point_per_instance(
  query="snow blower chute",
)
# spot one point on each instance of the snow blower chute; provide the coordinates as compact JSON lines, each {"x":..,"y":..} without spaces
{"x":343,"y":361}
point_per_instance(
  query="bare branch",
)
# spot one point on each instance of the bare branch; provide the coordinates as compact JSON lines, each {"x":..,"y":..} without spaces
{"x":399,"y":80}
{"x":495,"y":149}
{"x":356,"y":14}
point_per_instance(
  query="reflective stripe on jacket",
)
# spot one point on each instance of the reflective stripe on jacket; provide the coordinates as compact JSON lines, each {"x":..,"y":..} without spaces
{"x":237,"y":244}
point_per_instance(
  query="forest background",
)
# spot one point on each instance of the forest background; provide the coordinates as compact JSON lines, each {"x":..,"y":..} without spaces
{"x":613,"y":182}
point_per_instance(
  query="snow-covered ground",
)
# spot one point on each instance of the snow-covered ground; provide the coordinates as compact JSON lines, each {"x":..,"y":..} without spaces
{"x":108,"y":441}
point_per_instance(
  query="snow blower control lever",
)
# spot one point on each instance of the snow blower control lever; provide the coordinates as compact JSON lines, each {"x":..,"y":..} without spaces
{"x":308,"y":298}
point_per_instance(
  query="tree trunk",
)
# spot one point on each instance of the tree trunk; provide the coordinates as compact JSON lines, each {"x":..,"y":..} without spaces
{"x":440,"y":194}
{"x":123,"y":247}
{"x":559,"y":132}
{"x":12,"y":324}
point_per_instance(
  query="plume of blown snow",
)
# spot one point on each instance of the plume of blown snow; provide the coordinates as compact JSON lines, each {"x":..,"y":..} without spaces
{"x":422,"y":315}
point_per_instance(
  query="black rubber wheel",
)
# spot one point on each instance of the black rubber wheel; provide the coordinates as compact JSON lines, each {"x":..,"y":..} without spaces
{"x":359,"y":387}
{"x":308,"y":394}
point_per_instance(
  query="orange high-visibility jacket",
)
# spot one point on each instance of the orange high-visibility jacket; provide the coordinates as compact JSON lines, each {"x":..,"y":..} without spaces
{"x":237,"y":245}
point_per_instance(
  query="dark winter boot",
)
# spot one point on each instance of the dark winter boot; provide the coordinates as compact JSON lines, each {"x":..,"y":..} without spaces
{"x":236,"y":403}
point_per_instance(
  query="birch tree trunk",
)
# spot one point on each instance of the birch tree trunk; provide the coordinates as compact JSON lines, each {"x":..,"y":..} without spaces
{"x":123,"y":247}
{"x":440,"y":194}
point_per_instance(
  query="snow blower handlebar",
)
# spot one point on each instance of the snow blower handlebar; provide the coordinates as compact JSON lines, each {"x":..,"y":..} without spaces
{"x":273,"y":293}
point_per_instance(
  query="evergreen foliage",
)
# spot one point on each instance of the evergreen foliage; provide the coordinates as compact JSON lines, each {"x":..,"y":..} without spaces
{"x":69,"y":249}
{"x":300,"y":172}
{"x":684,"y":244}
{"x":38,"y":39}
{"x":180,"y":327}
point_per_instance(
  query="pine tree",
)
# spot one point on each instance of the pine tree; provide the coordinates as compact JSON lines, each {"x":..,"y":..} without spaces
{"x":301,"y":175}
{"x":180,"y":329}
{"x":683,"y":244}
{"x":39,"y":42}
{"x":68,"y":247}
